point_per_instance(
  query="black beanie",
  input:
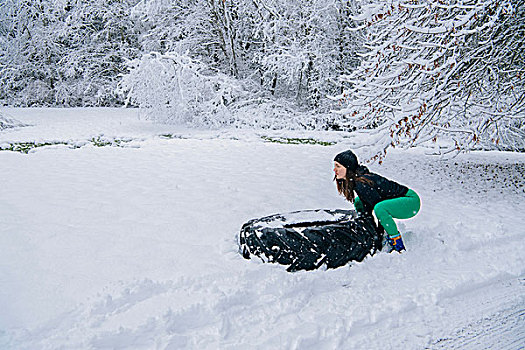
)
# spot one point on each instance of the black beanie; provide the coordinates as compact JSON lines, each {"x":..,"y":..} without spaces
{"x":348,"y":160}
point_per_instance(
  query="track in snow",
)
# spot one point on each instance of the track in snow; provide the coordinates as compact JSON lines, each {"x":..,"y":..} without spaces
{"x":504,"y":330}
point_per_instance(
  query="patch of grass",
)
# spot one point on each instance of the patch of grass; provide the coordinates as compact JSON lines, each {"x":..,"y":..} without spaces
{"x":25,"y":147}
{"x":170,"y":136}
{"x":297,"y":141}
{"x":101,"y":141}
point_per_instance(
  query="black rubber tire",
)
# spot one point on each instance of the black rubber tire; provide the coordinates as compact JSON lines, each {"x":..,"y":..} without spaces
{"x":305,"y":240}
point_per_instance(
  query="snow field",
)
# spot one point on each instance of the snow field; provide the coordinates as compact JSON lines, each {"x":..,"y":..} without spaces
{"x":135,"y":247}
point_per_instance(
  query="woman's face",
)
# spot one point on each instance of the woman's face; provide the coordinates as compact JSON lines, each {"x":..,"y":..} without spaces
{"x":340,"y":171}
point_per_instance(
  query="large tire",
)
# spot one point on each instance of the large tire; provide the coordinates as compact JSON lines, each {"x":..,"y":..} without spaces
{"x":305,"y":240}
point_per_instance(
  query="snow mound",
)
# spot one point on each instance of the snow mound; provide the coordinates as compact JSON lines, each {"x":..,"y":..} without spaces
{"x":8,"y":122}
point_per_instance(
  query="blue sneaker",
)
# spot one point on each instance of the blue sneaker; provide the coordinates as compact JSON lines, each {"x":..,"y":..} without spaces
{"x":396,"y":242}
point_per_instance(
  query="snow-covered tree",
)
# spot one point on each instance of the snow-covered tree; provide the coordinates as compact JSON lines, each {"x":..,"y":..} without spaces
{"x":292,"y":49}
{"x":28,"y":57}
{"x":203,"y":29}
{"x":304,"y":47}
{"x":97,"y":37}
{"x":64,"y":52}
{"x":175,"y":88}
{"x":432,"y":68}
{"x":72,"y":52}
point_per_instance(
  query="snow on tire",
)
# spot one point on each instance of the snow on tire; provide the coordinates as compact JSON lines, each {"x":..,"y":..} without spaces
{"x":308,"y":239}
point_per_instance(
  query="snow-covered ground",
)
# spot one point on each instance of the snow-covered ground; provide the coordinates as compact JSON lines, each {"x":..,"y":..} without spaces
{"x":133,"y":245}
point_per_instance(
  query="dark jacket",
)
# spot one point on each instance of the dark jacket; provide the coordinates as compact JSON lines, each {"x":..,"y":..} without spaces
{"x":380,"y":190}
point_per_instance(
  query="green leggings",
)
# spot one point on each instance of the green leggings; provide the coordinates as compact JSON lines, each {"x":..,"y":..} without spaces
{"x":400,"y":208}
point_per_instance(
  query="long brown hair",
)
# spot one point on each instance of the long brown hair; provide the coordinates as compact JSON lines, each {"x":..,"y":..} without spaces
{"x":346,"y":186}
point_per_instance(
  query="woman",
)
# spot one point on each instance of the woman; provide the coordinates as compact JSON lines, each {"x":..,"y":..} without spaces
{"x":386,"y":198}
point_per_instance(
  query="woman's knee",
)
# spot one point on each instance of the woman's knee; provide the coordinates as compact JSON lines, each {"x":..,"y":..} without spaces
{"x":415,"y":202}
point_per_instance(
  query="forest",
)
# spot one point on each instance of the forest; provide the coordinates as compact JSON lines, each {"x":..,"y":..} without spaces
{"x":407,"y":72}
